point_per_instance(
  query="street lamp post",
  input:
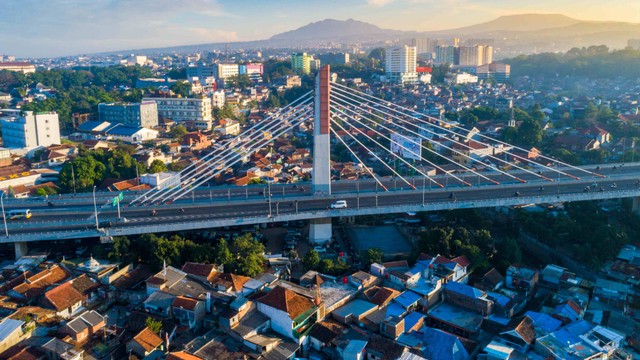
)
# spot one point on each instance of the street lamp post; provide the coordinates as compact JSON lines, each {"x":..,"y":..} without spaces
{"x":423,"y":187}
{"x":95,"y":207}
{"x":4,"y":217}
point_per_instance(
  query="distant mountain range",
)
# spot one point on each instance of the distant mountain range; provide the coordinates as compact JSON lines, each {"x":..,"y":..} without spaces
{"x":513,"y":34}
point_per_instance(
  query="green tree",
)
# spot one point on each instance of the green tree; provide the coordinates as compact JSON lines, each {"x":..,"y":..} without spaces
{"x":241,"y":81}
{"x":223,"y":254}
{"x":87,"y":172}
{"x":373,"y":255}
{"x":153,"y":324}
{"x":530,"y":133}
{"x":178,"y":132}
{"x":121,"y":247}
{"x":311,"y":260}
{"x":249,"y":255}
{"x":181,"y":88}
{"x":157,"y":166}
{"x":377,"y":54}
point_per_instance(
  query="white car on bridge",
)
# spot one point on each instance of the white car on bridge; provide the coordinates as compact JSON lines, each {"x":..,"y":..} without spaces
{"x":340,"y":204}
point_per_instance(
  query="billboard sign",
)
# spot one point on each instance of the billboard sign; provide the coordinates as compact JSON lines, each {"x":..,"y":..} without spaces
{"x":407,"y":147}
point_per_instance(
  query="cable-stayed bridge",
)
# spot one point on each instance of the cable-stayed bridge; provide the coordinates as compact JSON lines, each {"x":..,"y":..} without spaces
{"x":429,"y":164}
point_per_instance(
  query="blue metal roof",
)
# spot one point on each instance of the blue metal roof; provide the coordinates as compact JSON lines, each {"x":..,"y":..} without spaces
{"x":464,"y":289}
{"x":544,"y":321}
{"x":395,"y":309}
{"x":89,"y":125}
{"x":122,"y":130}
{"x":8,"y":327}
{"x":407,"y":299}
{"x":566,"y":310}
{"x":412,"y":319}
{"x":443,"y":346}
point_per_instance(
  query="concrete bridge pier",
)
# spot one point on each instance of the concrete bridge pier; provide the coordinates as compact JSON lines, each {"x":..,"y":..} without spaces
{"x":320,"y":229}
{"x":22,"y":249}
{"x":635,"y":205}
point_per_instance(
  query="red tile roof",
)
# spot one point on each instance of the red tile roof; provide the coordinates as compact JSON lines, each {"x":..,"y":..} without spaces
{"x":181,"y":355}
{"x":233,"y":281}
{"x":462,"y":261}
{"x":37,"y":284}
{"x":286,"y":300}
{"x":185,"y":303}
{"x":63,"y":296}
{"x":147,"y":339}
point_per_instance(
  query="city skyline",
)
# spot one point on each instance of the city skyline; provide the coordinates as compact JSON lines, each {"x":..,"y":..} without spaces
{"x":110,"y":25}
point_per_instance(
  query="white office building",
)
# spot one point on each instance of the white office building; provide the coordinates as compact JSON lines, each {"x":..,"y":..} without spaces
{"x":227,"y":70}
{"x":196,"y":110}
{"x":400,"y":65}
{"x":31,"y":130}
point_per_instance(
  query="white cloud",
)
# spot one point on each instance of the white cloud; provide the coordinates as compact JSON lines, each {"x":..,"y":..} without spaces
{"x":379,"y":3}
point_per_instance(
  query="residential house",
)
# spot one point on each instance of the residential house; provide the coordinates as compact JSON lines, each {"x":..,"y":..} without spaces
{"x":196,"y":141}
{"x":442,"y":345}
{"x":468,"y":297}
{"x":380,"y":296}
{"x":354,"y":311}
{"x":145,"y":342}
{"x":568,"y":312}
{"x":23,"y":352}
{"x":58,"y":349}
{"x":520,"y":277}
{"x":64,"y":299}
{"x":87,"y":287}
{"x":204,"y":273}
{"x":229,"y":283}
{"x":323,"y":334}
{"x":392,"y":327}
{"x":291,"y":314}
{"x":492,"y":280}
{"x":84,"y":326}
{"x":159,"y":303}
{"x":11,"y":332}
{"x":522,"y":336}
{"x":35,"y":285}
{"x":189,"y":312}
{"x":363,"y":280}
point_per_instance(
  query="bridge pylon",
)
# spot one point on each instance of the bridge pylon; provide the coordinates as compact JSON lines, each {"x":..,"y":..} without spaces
{"x":320,"y":229}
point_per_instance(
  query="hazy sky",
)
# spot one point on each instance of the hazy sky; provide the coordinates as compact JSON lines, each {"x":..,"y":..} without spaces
{"x":40,"y":28}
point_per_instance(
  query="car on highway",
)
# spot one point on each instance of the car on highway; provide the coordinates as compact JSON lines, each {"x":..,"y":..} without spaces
{"x":105,"y":224}
{"x":18,"y":214}
{"x":340,"y":204}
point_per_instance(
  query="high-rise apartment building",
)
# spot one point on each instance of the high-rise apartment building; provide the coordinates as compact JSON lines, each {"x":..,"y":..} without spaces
{"x":446,"y":54}
{"x":301,"y":63}
{"x":194,"y":110}
{"x":424,"y":45}
{"x":31,"y":130}
{"x":144,"y":114}
{"x":473,"y":55}
{"x":400,"y":64}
